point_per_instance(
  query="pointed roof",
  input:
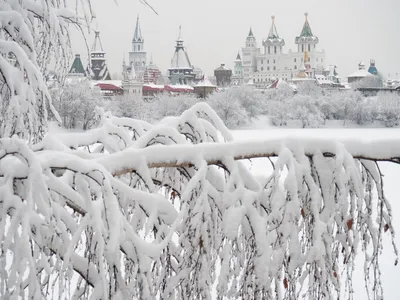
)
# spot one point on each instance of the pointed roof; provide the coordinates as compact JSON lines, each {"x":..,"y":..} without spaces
{"x":273,"y":38}
{"x":180,"y":60}
{"x":251,"y":33}
{"x":306,"y":32}
{"x":273,"y":33}
{"x":97,"y":46}
{"x":137,"y":37}
{"x":77,"y":67}
{"x":238,"y":57}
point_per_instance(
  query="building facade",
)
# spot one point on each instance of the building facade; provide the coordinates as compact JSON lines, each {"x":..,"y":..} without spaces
{"x":272,"y":62}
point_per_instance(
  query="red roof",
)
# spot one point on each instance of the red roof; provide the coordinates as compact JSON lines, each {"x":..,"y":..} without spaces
{"x":109,"y":87}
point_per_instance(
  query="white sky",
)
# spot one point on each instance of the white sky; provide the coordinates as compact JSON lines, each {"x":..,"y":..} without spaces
{"x":214,"y":30}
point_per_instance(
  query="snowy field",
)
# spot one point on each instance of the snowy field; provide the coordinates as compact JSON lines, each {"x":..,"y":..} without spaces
{"x":390,"y":273}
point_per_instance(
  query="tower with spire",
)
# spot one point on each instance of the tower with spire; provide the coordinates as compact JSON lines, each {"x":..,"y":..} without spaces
{"x":273,"y":43}
{"x":137,"y":57}
{"x":250,"y":52}
{"x":237,"y":74}
{"x":307,"y":52}
{"x":98,"y":67}
{"x":181,"y":69}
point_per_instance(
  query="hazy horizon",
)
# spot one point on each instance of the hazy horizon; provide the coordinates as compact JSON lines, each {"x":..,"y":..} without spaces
{"x":213,"y":32}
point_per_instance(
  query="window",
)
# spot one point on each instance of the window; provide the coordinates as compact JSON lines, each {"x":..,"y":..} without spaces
{"x":309,"y":47}
{"x":295,"y":67}
{"x":262,"y":61}
{"x":275,"y":49}
{"x":274,"y":68}
{"x":274,"y":60}
{"x":269,"y":50}
{"x":309,"y":59}
{"x":138,"y":47}
{"x":268,"y":61}
{"x":268,"y":68}
{"x":317,"y":59}
{"x":262,"y":68}
{"x":302,"y":48}
{"x":294,"y":60}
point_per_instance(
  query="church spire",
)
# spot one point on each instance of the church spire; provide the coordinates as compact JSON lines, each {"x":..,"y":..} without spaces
{"x":273,"y":33}
{"x":251,"y":33}
{"x":238,"y":56}
{"x":306,"y":38}
{"x":137,"y":37}
{"x":306,"y":31}
{"x":273,"y":38}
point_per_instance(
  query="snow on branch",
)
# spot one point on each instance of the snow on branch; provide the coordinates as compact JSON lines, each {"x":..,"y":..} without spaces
{"x":131,"y":210}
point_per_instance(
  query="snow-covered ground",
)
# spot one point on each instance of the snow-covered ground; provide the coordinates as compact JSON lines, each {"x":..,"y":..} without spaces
{"x":390,"y":273}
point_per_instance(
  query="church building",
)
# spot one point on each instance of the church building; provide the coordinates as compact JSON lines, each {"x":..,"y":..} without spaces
{"x":272,"y":63}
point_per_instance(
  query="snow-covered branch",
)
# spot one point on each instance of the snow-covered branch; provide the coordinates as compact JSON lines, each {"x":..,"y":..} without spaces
{"x":170,"y":210}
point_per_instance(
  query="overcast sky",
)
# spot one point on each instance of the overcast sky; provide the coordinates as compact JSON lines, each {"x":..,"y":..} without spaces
{"x":214,"y":30}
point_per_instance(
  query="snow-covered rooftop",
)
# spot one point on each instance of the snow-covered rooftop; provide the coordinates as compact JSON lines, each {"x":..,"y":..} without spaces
{"x":180,"y":60}
{"x":205,"y":83}
{"x":360,"y":73}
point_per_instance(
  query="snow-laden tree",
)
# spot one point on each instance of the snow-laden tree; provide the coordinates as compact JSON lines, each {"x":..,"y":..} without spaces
{"x":131,"y":210}
{"x":229,"y":108}
{"x":32,"y":34}
{"x":134,"y":211}
{"x":75,"y":103}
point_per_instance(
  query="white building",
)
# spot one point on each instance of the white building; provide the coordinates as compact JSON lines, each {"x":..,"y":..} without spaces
{"x":272,"y":63}
{"x":138,"y":57}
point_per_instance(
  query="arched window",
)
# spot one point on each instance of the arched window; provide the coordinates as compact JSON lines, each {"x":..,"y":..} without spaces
{"x":294,"y":60}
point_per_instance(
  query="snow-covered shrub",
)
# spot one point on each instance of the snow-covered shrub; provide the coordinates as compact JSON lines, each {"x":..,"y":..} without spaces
{"x":131,"y":107}
{"x":75,"y":103}
{"x":251,"y":100}
{"x":229,"y":108}
{"x":388,"y":109}
{"x":170,"y":105}
{"x":309,"y":88}
{"x":278,"y":112}
{"x":305,"y":109}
